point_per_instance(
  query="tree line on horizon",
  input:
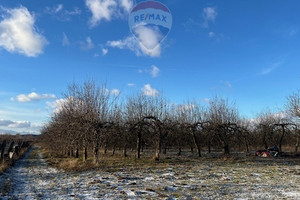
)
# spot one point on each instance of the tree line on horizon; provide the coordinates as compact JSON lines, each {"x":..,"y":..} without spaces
{"x":92,"y":119}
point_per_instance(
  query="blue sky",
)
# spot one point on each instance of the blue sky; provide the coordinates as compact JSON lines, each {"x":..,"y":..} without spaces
{"x":246,"y":51}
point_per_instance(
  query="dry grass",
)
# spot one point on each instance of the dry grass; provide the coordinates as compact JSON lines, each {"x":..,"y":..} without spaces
{"x":3,"y":167}
{"x":110,"y":163}
{"x":6,"y":164}
{"x":114,"y":163}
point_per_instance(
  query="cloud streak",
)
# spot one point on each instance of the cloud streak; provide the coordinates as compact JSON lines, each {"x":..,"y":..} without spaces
{"x":270,"y":69}
{"x":33,"y":97}
{"x":154,"y":71}
{"x":65,"y":40}
{"x":14,"y":124}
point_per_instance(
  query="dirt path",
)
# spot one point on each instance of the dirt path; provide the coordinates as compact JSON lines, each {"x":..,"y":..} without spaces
{"x":32,"y":178}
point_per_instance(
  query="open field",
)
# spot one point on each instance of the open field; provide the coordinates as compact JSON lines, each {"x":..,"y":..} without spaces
{"x":33,"y":178}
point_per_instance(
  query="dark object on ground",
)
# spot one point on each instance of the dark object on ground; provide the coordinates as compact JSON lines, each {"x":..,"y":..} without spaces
{"x":268,"y":153}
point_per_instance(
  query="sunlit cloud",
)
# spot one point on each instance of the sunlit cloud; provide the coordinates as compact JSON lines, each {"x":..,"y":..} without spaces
{"x":33,"y":97}
{"x":18,"y":33}
{"x":14,"y":124}
{"x":149,"y":91}
{"x":107,"y":9}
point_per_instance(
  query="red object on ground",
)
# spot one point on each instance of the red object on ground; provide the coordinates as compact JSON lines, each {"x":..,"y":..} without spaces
{"x":263,"y":153}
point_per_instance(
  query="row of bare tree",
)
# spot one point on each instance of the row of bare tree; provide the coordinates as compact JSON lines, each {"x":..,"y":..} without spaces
{"x":13,"y":146}
{"x":91,"y":118}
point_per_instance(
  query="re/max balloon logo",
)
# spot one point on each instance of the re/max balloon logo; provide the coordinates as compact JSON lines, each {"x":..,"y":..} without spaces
{"x":150,"y":17}
{"x":150,"y":22}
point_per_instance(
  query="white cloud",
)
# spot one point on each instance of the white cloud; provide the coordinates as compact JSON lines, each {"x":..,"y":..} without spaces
{"x":57,"y":105}
{"x":5,"y":122}
{"x":127,"y":5}
{"x":33,"y":97}
{"x":149,"y":38}
{"x":62,"y":14}
{"x":133,"y":45}
{"x":87,"y":45}
{"x":58,"y":8}
{"x":54,"y":9}
{"x":154,"y":71}
{"x":185,"y":107}
{"x":149,"y":91}
{"x":104,"y":51}
{"x":20,"y":124}
{"x":101,"y":10}
{"x":130,"y":84}
{"x":128,"y":43}
{"x":209,"y":15}
{"x":75,"y":11}
{"x":18,"y":33}
{"x":115,"y":92}
{"x":107,"y":9}
{"x":65,"y":40}
{"x":14,"y":124}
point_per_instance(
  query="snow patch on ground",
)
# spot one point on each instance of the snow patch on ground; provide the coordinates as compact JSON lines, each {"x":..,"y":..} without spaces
{"x":32,"y":178}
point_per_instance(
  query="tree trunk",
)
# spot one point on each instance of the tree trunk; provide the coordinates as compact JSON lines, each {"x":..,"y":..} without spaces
{"x":179,"y":151}
{"x":105,"y":148}
{"x":114,"y":150}
{"x":165,"y":150}
{"x":265,"y":141}
{"x":247,"y":147}
{"x":226,"y":149}
{"x":77,"y":153}
{"x":125,"y":151}
{"x":281,"y":139}
{"x":85,"y":153}
{"x":96,"y":154}
{"x":158,"y":148}
{"x":139,"y":141}
{"x":209,"y":146}
{"x":69,"y":151}
{"x":197,"y":144}
{"x":2,"y":151}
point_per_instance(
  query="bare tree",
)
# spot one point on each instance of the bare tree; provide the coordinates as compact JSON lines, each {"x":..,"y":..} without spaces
{"x":293,"y":108}
{"x":223,"y":119}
